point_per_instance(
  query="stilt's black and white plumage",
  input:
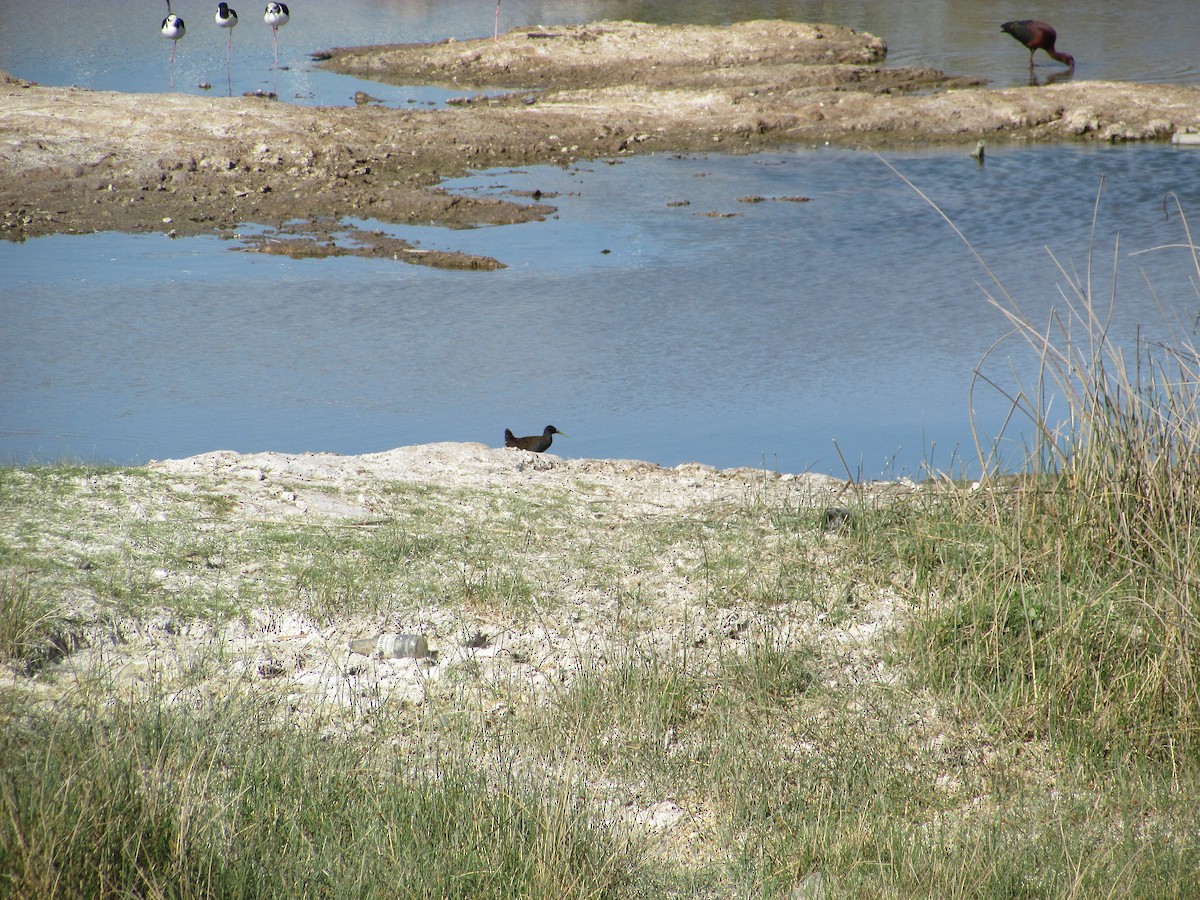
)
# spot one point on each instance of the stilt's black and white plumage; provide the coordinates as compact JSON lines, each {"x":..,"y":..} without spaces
{"x":226,"y":17}
{"x":173,"y":28}
{"x":276,"y":14}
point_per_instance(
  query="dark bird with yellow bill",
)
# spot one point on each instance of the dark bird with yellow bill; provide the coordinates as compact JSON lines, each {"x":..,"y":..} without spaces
{"x":537,"y":443}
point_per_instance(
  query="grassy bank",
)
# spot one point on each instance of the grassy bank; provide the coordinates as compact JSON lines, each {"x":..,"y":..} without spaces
{"x":958,"y":692}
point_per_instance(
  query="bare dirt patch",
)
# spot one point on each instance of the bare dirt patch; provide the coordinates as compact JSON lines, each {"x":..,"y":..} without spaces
{"x":186,"y":529}
{"x":79,"y":161}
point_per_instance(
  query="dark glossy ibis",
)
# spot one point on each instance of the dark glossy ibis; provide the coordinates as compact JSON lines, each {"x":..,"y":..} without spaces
{"x":537,"y":443}
{"x":1037,"y":35}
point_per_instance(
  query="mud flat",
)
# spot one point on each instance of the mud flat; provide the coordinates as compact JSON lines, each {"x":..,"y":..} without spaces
{"x":77,"y":161}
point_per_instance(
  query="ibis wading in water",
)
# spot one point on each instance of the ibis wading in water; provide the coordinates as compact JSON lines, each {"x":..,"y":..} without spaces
{"x":538,"y":443}
{"x":1037,"y":36}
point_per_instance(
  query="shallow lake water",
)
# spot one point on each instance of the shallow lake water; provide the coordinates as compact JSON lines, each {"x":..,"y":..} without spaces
{"x":659,"y":315}
{"x":116,"y":45}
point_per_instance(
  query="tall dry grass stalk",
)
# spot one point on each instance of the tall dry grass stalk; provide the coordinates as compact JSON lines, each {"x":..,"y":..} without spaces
{"x":1111,"y":530}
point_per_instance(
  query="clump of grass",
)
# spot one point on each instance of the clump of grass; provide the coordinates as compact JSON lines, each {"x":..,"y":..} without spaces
{"x":1071,"y":597}
{"x":220,"y":798}
{"x":32,"y":626}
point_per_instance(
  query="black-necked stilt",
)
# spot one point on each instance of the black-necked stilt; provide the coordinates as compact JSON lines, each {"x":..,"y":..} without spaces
{"x":227,"y":18}
{"x":496,"y":30}
{"x":276,"y":15}
{"x":172,"y":29}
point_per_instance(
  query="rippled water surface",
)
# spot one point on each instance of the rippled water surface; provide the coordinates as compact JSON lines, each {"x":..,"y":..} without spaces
{"x":659,"y":315}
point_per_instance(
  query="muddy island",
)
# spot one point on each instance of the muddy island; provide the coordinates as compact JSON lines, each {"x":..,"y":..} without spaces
{"x":77,"y":161}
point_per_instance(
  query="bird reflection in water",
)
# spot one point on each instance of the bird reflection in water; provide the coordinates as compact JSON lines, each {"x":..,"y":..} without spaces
{"x":1050,"y":77}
